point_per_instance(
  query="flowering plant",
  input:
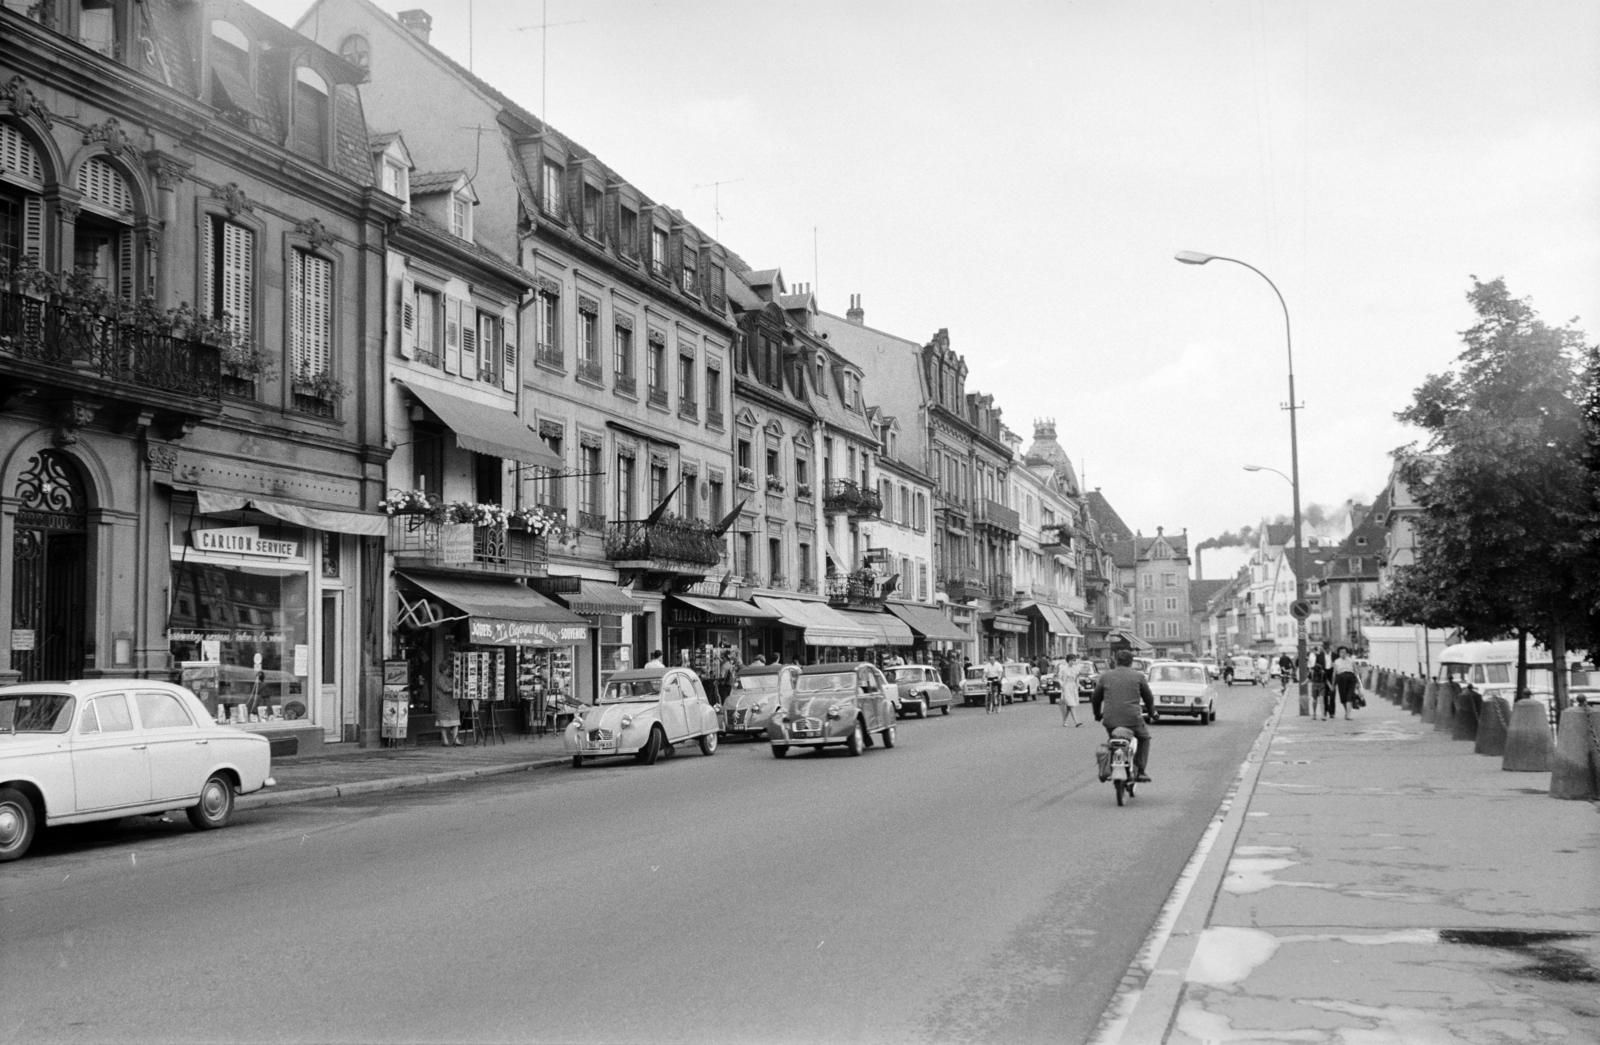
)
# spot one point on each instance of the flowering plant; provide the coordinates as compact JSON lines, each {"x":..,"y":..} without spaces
{"x":409,"y":502}
{"x":747,"y":476}
{"x":538,"y":520}
{"x":803,"y":491}
{"x":775,"y":484}
{"x":476,"y":514}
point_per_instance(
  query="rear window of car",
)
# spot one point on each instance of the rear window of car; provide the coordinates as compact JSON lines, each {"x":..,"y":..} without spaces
{"x":1177,"y":673}
{"x":35,"y":713}
{"x":840,"y":682}
{"x":624,"y":692}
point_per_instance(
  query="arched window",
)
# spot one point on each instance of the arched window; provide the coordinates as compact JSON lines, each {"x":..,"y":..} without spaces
{"x":103,"y":238}
{"x":310,"y":121}
{"x":21,"y":198}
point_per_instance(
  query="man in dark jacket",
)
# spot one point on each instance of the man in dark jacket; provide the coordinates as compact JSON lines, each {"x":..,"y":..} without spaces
{"x":1122,"y":697}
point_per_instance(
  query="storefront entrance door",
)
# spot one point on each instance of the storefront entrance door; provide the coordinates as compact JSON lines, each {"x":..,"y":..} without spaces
{"x":49,"y":570}
{"x":330,"y":686}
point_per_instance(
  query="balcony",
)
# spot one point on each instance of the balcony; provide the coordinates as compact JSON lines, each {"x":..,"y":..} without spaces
{"x":859,"y":588}
{"x":625,"y":383}
{"x":845,"y":496}
{"x":1000,"y":587}
{"x":688,"y":409}
{"x":56,"y":344}
{"x":658,"y":397}
{"x":549,"y":355}
{"x":713,"y":418}
{"x":673,"y":545}
{"x":418,"y":541}
{"x":1056,"y":540}
{"x":963,"y":585}
{"x":589,"y":370}
{"x":997,"y":517}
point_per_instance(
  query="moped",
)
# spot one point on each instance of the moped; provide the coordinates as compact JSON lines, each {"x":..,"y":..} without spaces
{"x":1123,"y":744}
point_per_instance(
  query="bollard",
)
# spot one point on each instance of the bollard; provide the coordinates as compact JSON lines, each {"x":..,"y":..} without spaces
{"x":1529,"y":748}
{"x":1305,"y":698}
{"x":1414,"y":691}
{"x":1394,"y":689}
{"x":1468,"y":705}
{"x":1493,"y":723}
{"x":1575,"y":768}
{"x":1430,"y":701}
{"x":1444,"y":707}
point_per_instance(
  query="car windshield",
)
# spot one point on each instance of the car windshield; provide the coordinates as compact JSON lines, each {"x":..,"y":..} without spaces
{"x":631,"y":690}
{"x":1178,"y":673}
{"x":975,"y":673}
{"x":759,"y":684}
{"x":35,"y":712}
{"x":905,"y":675}
{"x":838,"y":682}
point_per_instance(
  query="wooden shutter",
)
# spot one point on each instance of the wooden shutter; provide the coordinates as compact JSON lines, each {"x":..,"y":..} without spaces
{"x":452,"y":335}
{"x":508,"y":355}
{"x":238,"y":276}
{"x":126,"y":283}
{"x":33,"y":228}
{"x":408,"y":318}
{"x":311,"y":315}
{"x":471,"y":365}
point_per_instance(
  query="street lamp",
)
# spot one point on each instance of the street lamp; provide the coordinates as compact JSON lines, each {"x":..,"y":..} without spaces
{"x":1264,"y":468}
{"x":1194,"y":257}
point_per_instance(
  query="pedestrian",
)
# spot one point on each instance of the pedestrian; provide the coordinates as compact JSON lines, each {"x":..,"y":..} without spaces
{"x":655,"y":660}
{"x":727,"y":675}
{"x":1067,"y":675}
{"x":993,"y":672}
{"x":1321,"y":688}
{"x":760,"y":661}
{"x":1285,"y":671}
{"x":446,"y":708}
{"x":1344,"y":677}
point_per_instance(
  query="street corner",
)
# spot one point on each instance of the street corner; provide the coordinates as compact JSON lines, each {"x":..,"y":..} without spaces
{"x":1396,"y":985}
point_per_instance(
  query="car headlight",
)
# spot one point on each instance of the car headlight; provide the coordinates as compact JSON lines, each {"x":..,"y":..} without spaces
{"x":627,"y":720}
{"x":835,"y":711}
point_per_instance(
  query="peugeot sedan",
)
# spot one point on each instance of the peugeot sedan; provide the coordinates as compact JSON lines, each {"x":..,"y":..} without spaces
{"x":1181,"y":688}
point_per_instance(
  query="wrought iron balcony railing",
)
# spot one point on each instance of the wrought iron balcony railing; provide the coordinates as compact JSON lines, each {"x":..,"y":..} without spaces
{"x":858,"y":588}
{"x":490,"y":549}
{"x":847,"y":496}
{"x":961,"y":583}
{"x":670,"y":540}
{"x":658,"y":397}
{"x":996,"y":516}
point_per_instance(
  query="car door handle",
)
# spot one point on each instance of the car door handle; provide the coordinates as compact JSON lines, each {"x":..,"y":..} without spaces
{"x":141,"y":747}
{"x":202,"y":743}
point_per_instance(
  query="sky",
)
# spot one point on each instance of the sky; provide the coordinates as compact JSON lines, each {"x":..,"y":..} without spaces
{"x":1021,"y":173}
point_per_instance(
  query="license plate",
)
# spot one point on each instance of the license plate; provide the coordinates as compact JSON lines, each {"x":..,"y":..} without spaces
{"x":599,"y":745}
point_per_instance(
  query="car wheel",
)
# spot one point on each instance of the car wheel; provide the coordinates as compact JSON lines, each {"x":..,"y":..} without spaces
{"x":708,"y":744}
{"x":651,"y":752}
{"x":215,"y":807}
{"x":18,"y":822}
{"x":858,"y":739}
{"x":779,"y":750}
{"x":888,"y":737}
{"x":577,"y":761}
{"x":922,"y":710}
{"x":946,"y":709}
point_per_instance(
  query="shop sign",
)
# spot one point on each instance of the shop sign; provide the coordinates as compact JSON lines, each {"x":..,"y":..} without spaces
{"x":492,"y":631}
{"x":243,"y":540}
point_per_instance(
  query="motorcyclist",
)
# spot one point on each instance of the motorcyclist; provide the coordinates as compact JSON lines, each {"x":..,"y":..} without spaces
{"x":1122,"y":697}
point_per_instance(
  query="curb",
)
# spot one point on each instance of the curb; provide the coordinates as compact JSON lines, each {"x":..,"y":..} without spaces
{"x":267,"y":798}
{"x":1154,"y":1003}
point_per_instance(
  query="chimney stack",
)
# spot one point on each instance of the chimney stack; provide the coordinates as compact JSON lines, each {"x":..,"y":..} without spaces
{"x":854,"y":314}
{"x":418,"y":22}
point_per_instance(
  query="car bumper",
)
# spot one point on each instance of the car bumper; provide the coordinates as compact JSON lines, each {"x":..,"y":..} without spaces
{"x":781,"y":736}
{"x":1179,"y":709}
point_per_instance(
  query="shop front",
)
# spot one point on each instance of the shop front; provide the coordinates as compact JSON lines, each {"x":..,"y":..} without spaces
{"x":699,"y":626}
{"x":262,"y":614}
{"x":1052,"y":631}
{"x":892,"y":636}
{"x":936,"y":638}
{"x":608,"y":609}
{"x":807,"y":632}
{"x":488,"y":652}
{"x":1003,"y":634}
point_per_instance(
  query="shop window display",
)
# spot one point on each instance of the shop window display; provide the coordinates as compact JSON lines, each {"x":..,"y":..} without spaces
{"x":240,"y":634}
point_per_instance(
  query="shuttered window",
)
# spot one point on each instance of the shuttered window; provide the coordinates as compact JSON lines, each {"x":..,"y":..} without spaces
{"x":228,"y":258}
{"x":18,"y":158}
{"x":104,"y":186}
{"x":311,"y":315}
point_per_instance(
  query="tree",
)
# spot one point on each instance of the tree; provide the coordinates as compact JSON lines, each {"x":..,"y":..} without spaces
{"x":1508,"y":540}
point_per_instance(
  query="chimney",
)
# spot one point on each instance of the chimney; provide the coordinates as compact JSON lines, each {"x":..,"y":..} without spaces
{"x":854,"y":314}
{"x":417,"y":21}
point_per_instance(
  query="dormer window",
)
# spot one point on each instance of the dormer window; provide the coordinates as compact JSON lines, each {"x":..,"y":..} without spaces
{"x":628,"y":231}
{"x":658,"y":250}
{"x":310,"y":121}
{"x":591,"y":211}
{"x":97,"y":26}
{"x":691,"y":270}
{"x":550,"y":189}
{"x":232,"y":86}
{"x":822,"y":375}
{"x":461,"y":215}
{"x":397,"y":181}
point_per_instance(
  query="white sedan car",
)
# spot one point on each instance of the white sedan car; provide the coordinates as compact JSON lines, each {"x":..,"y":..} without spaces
{"x":644,"y":712}
{"x":100,"y":749}
{"x":1181,"y":688}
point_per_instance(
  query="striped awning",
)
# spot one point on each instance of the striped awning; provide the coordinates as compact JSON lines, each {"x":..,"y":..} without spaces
{"x":891,"y":630}
{"x":726,"y":607}
{"x":823,"y":625}
{"x":597,"y":597}
{"x":929,"y":623}
{"x":1055,"y":618}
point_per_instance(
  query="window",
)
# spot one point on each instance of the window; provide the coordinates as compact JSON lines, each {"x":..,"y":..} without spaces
{"x":1147,"y":605}
{"x":622,"y":357}
{"x":658,"y":483}
{"x":108,"y":714}
{"x":774,"y":466}
{"x":461,"y":215}
{"x":547,"y":484}
{"x":1356,"y":564}
{"x":655,"y":371}
{"x":550,"y":190}
{"x":686,"y":400}
{"x":159,"y":710}
{"x":691,"y":495}
{"x":1147,"y":582}
{"x":228,"y":275}
{"x":803,"y":553}
{"x":426,"y":313}
{"x":919,"y":512}
{"x":1169,"y":580}
{"x":628,"y":231}
{"x":922,"y":582}
{"x":491,"y":366}
{"x":904,"y":518}
{"x":625,"y":487}
{"x":589,"y":483}
{"x":747,"y":554}
{"x":742,"y":454}
{"x":547,"y":328}
{"x":713,"y":396}
{"x":309,"y":123}
{"x":691,"y":270}
{"x":775,"y":562}
{"x":591,"y":211}
{"x":588,"y":345}
{"x":396,"y":180}
{"x":1361,"y":542}
{"x":1172,"y":603}
{"x":714,"y":283}
{"x":714,"y":500}
{"x":1148,"y":629}
{"x":311,"y":315}
{"x":658,"y":250}
{"x":802,"y":471}
{"x":97,"y":26}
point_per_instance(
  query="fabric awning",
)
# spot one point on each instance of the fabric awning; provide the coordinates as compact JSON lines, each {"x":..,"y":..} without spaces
{"x":892,"y":631}
{"x":726,"y":607}
{"x":594,"y":597}
{"x":1005,"y":622}
{"x":1133,"y":641}
{"x":929,"y":623}
{"x":1055,"y":618}
{"x":822,"y":624}
{"x":502,"y":612}
{"x":366,"y":524}
{"x":487,"y":431}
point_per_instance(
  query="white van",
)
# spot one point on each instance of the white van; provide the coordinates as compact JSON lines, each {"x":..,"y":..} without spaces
{"x":1491,"y":668}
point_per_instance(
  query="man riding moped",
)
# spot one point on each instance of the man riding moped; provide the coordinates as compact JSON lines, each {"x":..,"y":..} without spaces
{"x":1122,"y":698}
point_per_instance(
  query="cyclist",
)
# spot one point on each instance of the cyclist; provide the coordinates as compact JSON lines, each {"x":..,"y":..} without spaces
{"x":1122,"y":697}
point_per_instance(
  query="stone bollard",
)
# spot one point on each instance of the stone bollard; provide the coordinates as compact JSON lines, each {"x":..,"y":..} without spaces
{"x":1493,"y":723}
{"x":1469,"y":703}
{"x":1444,"y":707}
{"x":1529,"y":748}
{"x":1430,"y":702}
{"x":1575,"y":768}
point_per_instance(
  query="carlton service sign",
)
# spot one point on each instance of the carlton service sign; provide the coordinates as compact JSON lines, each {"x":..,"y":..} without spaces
{"x":243,"y":540}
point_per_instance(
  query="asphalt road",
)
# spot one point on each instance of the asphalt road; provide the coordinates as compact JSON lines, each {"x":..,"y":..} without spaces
{"x":975,"y":883}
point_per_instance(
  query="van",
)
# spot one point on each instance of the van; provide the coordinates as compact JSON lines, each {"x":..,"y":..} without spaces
{"x":1491,"y":668}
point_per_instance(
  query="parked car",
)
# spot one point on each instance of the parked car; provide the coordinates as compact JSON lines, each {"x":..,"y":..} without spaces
{"x":1018,"y":682}
{"x":1050,"y":685}
{"x":1244,"y":669}
{"x":919,"y":690}
{"x":1213,"y":669}
{"x":100,"y":749}
{"x":753,"y":700}
{"x":1181,"y":688}
{"x":833,"y":704}
{"x":644,"y":712}
{"x":974,"y":686}
{"x":1087,"y":679}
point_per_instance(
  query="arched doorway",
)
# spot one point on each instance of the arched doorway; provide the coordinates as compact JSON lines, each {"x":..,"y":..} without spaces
{"x":49,"y":569}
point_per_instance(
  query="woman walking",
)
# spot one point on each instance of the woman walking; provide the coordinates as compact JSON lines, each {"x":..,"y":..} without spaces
{"x":1344,"y":677}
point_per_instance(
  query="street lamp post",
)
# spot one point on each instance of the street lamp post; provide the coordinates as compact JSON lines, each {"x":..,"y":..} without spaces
{"x":1192,"y":257}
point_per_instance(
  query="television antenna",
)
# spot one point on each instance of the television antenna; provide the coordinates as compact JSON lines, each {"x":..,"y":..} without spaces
{"x":544,"y":25}
{"x":716,"y":203}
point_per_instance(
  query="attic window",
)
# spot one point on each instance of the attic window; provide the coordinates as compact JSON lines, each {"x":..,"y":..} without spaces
{"x":1361,"y":542}
{"x":355,"y":50}
{"x":311,"y":110}
{"x":461,"y":215}
{"x":397,"y":180}
{"x":231,"y":84}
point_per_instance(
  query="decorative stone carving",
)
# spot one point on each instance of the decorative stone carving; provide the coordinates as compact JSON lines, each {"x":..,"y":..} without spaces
{"x":167,"y":171}
{"x":316,"y":232}
{"x":24,"y":102}
{"x":161,"y":458}
{"x":233,"y":199}
{"x":112,"y":135}
{"x":69,"y":209}
{"x":71,"y":416}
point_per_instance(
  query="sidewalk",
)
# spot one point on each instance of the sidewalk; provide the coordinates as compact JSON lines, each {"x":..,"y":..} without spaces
{"x":1374,"y":881}
{"x":344,"y":769}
